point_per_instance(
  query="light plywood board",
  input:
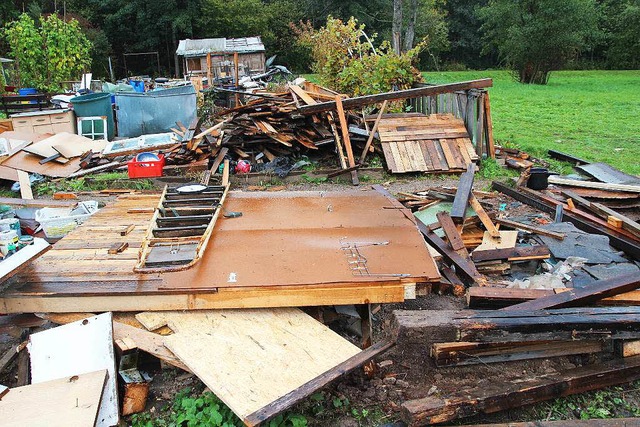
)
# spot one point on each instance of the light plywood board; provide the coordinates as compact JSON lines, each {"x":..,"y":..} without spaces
{"x":250,"y":358}
{"x":20,"y":259}
{"x":74,"y":349}
{"x":68,"y":401}
{"x":507,"y":240}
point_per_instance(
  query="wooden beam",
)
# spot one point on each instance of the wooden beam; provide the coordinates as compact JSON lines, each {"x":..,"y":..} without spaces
{"x":491,"y":149}
{"x":464,"y":267}
{"x":25,"y":185}
{"x":214,"y":167}
{"x":452,"y":234}
{"x":484,"y":218}
{"x":512,"y":254}
{"x":474,"y":353}
{"x":497,"y":396}
{"x":361,"y":101}
{"x":494,"y":297}
{"x":582,"y":296}
{"x":373,"y":132}
{"x":530,"y":228}
{"x":591,"y":184}
{"x":463,"y":193}
{"x":305,"y":390}
{"x":344,"y":127}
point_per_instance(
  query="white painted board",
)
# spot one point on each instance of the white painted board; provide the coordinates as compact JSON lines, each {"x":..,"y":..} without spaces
{"x":74,"y":349}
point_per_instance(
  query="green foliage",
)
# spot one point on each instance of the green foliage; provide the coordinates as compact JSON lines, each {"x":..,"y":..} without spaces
{"x":624,"y":50}
{"x":566,"y":114}
{"x":49,"y":53}
{"x":490,"y":169}
{"x":94,"y":183}
{"x":535,"y":37}
{"x":347,"y":62}
{"x":205,"y":410}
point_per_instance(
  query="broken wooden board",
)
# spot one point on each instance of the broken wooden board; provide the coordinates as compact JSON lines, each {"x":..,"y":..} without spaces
{"x":438,"y":143}
{"x":74,"y":349}
{"x":253,"y":357}
{"x":499,"y":396}
{"x":507,"y":240}
{"x":72,"y":400}
{"x":21,"y":259}
{"x":31,"y":163}
{"x":91,"y":280}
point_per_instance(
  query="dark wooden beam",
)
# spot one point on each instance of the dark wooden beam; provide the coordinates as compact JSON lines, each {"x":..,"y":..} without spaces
{"x":512,"y":254}
{"x":463,"y":192}
{"x":361,"y":101}
{"x":497,"y":396}
{"x":583,"y":296}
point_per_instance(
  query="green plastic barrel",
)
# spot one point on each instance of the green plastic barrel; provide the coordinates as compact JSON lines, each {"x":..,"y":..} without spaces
{"x":95,"y":104}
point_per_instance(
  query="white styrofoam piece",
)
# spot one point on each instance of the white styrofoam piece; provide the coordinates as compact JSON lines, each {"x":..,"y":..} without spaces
{"x":78,"y":348}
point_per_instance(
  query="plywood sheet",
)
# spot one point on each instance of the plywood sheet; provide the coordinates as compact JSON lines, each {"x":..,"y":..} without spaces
{"x":74,"y":349}
{"x":507,"y":240}
{"x":298,"y":238}
{"x":30,"y":163}
{"x":68,"y":401}
{"x":253,"y":357}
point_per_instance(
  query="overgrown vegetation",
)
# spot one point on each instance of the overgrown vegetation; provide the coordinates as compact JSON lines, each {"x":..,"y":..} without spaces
{"x":49,"y":52}
{"x":346,"y":59}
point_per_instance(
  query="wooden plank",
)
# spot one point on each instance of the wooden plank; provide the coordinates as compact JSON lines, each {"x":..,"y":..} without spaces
{"x":497,"y":396}
{"x":530,"y":228}
{"x":457,"y":155}
{"x":597,"y":185}
{"x":463,"y":192}
{"x":462,"y":146}
{"x":388,"y":157}
{"x":21,"y":259}
{"x":446,"y":149}
{"x":463,"y":267}
{"x":373,"y":132}
{"x":395,"y":151}
{"x":434,"y":156}
{"x":484,"y":218}
{"x":491,"y":149}
{"x":11,"y":354}
{"x":344,"y":127}
{"x":302,"y":94}
{"x":72,"y":400}
{"x":418,"y":157}
{"x":474,"y":353}
{"x":425,"y":155}
{"x":582,"y":296}
{"x":25,"y":185}
{"x":361,"y":101}
{"x":254,"y":357}
{"x":74,"y":349}
{"x":596,"y":422}
{"x":450,"y":230}
{"x":517,"y":253}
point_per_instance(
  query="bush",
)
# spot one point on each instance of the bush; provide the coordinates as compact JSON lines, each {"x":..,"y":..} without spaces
{"x":347,"y":61}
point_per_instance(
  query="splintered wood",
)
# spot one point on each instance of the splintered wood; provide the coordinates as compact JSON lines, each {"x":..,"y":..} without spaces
{"x":437,"y":143}
{"x":253,"y":357}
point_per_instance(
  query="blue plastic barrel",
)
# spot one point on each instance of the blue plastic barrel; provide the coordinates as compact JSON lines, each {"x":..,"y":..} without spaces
{"x":138,"y":85}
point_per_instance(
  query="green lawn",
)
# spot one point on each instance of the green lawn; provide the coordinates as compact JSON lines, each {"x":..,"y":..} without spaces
{"x":590,"y":114}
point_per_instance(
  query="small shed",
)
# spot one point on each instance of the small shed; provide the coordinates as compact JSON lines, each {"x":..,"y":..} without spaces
{"x":215,"y":57}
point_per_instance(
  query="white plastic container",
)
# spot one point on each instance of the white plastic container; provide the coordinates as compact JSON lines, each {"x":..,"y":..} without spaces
{"x":8,"y":241}
{"x":57,"y":222}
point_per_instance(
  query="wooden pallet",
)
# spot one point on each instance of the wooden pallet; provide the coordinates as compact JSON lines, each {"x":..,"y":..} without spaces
{"x":438,"y":143}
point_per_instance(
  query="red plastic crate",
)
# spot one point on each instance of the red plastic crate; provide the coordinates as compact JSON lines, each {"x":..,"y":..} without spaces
{"x":146,"y":169}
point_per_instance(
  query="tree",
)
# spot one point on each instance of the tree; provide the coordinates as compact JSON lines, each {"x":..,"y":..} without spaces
{"x":535,"y":37}
{"x":48,"y":54}
{"x":624,"y":47}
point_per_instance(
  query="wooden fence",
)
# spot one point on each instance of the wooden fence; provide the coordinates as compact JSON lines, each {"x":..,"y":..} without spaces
{"x":471,"y":105}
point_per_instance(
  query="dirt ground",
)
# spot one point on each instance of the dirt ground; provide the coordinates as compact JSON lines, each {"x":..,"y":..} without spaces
{"x":402,"y":373}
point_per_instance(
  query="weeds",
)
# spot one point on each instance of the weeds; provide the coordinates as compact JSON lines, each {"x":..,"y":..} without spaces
{"x":190,"y":409}
{"x":95,"y":183}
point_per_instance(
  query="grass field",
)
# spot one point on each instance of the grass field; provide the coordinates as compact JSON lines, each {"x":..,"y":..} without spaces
{"x":590,"y":114}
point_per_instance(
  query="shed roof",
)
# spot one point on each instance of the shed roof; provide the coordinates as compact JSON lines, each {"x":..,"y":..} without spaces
{"x":201,"y":47}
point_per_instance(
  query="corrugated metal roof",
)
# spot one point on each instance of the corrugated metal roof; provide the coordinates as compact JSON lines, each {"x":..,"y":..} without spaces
{"x":201,"y":47}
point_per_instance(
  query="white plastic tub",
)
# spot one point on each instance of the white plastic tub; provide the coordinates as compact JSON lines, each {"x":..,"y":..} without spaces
{"x":57,"y":222}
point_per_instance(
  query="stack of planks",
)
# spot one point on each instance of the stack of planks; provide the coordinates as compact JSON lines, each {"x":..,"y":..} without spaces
{"x":437,"y":143}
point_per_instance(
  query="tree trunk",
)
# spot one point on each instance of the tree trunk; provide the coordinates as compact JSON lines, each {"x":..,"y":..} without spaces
{"x":176,"y":61}
{"x":396,"y":28}
{"x":410,"y":32}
